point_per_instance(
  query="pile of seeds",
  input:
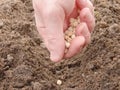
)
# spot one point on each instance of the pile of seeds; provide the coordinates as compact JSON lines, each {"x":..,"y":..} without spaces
{"x":70,"y":32}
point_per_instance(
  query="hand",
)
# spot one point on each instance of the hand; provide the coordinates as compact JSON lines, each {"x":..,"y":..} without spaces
{"x":52,"y":18}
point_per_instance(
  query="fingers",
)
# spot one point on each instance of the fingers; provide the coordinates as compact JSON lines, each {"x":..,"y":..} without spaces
{"x":87,"y":13}
{"x":76,"y":46}
{"x":85,"y":4}
{"x":82,"y":30}
{"x":74,"y":13}
{"x":38,"y":17}
{"x":56,"y":47}
{"x":66,"y":23}
{"x":54,"y":37}
{"x":87,"y":17}
{"x":50,"y":26}
{"x":40,"y":25}
{"x":66,"y":5}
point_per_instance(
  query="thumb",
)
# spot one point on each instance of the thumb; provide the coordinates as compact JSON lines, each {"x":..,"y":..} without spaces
{"x":54,"y":37}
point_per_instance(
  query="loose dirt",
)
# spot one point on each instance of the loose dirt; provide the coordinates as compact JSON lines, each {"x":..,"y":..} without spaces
{"x":25,"y":65}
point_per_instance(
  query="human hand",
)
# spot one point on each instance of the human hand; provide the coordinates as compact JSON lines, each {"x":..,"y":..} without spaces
{"x":52,"y":19}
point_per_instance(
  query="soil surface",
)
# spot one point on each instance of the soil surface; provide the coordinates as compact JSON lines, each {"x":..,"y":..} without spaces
{"x":25,"y":64}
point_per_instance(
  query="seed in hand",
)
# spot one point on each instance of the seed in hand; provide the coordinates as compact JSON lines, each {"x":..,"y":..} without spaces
{"x":70,"y":32}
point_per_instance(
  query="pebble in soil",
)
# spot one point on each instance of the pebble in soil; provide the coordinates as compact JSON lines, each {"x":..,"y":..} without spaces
{"x":22,"y":76}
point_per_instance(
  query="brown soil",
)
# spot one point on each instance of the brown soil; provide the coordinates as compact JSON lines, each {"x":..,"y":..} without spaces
{"x":25,"y":65}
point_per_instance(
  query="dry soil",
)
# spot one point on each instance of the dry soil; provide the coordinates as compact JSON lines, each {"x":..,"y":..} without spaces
{"x":25,"y":64}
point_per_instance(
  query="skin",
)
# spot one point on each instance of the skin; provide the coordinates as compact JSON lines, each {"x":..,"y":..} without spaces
{"x":52,"y":19}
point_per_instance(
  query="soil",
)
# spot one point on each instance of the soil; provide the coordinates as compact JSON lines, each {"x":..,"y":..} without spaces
{"x":25,"y":64}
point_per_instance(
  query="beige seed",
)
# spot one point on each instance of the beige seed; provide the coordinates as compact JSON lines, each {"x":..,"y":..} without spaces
{"x":70,"y":29}
{"x":72,"y":20}
{"x":67,"y":44}
{"x":59,"y":82}
{"x":66,"y":37}
{"x":73,"y":36}
{"x":70,"y":34}
{"x":69,"y":40}
{"x":75,"y":24}
{"x":66,"y":31}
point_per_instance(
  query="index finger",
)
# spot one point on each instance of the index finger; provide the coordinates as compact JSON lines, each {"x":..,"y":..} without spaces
{"x":85,"y":4}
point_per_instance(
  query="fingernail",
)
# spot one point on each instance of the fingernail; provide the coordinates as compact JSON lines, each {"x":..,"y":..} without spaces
{"x":54,"y":57}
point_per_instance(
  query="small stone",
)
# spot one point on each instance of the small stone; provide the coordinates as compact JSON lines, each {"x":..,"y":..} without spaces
{"x":9,"y":57}
{"x":1,"y":23}
{"x":83,"y":75}
{"x":26,"y":88}
{"x":90,"y":65}
{"x":36,"y":85}
{"x":9,"y":73}
{"x":1,"y":88}
{"x":22,"y":75}
{"x":95,"y":73}
{"x":47,"y":57}
{"x":59,"y":82}
{"x":43,"y":45}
